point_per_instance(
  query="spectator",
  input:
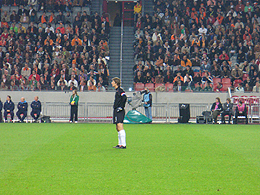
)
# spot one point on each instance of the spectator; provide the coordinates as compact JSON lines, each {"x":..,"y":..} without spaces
{"x":34,"y":75}
{"x":239,"y":88}
{"x":236,"y":73}
{"x":256,"y":87}
{"x":74,"y":82}
{"x":26,"y":71}
{"x":241,"y":110}
{"x":139,"y":78}
{"x":137,"y":8}
{"x":185,"y":61}
{"x":91,"y":84}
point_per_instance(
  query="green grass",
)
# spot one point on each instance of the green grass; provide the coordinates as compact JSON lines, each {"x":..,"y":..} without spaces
{"x":159,"y":159}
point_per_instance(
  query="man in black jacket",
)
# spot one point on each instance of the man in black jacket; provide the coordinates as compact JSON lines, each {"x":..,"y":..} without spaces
{"x":9,"y":108}
{"x":1,"y":106}
{"x":36,"y":108}
{"x":227,"y":110}
{"x":22,"y":110}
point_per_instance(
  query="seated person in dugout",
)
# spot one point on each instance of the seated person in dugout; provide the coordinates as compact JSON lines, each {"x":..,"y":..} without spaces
{"x":9,"y":108}
{"x":227,"y":110}
{"x":36,"y":108}
{"x":216,"y":108}
{"x":22,"y":110}
{"x":241,"y":110}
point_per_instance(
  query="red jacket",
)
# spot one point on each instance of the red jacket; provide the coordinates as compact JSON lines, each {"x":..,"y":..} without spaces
{"x":37,"y":77}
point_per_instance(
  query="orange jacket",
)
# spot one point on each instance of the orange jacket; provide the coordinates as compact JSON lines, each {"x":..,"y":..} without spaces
{"x":73,"y":42}
{"x":188,"y":63}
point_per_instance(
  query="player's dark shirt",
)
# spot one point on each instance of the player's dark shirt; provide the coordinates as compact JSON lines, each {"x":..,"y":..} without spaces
{"x":120,"y":98}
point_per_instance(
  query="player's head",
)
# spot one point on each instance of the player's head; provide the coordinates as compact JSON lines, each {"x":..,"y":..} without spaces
{"x":116,"y":82}
{"x":36,"y":98}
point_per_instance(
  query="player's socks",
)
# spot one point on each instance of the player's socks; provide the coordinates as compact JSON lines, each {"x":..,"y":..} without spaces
{"x":122,"y":136}
{"x":119,"y":139}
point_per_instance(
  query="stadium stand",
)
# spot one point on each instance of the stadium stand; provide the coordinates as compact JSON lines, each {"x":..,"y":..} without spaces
{"x":208,"y":35}
{"x":53,"y":45}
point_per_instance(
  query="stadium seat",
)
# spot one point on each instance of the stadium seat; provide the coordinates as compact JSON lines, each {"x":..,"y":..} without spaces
{"x":158,"y":85}
{"x":225,"y":86}
{"x":226,"y":80}
{"x":77,"y":9}
{"x":216,"y":80}
{"x":169,"y":87}
{"x":195,"y":73}
{"x":139,"y":86}
{"x":5,"y":8}
{"x":86,"y":9}
{"x":150,"y":86}
{"x":14,"y":8}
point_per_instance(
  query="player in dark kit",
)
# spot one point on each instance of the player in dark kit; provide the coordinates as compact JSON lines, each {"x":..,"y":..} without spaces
{"x":119,"y":112}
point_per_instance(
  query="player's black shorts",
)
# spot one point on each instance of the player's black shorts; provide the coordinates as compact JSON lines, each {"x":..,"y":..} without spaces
{"x":118,"y":117}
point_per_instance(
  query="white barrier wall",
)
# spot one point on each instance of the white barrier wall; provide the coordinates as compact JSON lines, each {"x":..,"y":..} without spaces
{"x":108,"y":97}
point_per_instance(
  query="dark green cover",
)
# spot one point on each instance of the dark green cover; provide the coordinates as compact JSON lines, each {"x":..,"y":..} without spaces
{"x":135,"y":117}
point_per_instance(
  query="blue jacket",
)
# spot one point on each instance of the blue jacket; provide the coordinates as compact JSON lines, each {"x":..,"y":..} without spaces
{"x":22,"y":106}
{"x":36,"y":106}
{"x":9,"y":106}
{"x":148,"y":99}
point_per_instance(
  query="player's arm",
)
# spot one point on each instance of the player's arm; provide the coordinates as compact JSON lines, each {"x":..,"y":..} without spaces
{"x":122,"y":101}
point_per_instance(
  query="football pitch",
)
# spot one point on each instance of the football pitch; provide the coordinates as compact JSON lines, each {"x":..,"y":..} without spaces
{"x":159,"y":159}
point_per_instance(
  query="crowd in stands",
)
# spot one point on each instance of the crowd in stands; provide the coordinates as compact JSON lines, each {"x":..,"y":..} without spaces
{"x":53,"y":45}
{"x":199,"y":45}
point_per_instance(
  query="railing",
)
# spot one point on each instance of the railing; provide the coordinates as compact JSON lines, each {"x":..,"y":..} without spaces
{"x":103,"y":112}
{"x":121,"y":49}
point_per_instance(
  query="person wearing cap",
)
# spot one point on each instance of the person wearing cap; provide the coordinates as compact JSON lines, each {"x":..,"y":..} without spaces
{"x":147,"y":99}
{"x":248,"y":7}
{"x":240,"y":7}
